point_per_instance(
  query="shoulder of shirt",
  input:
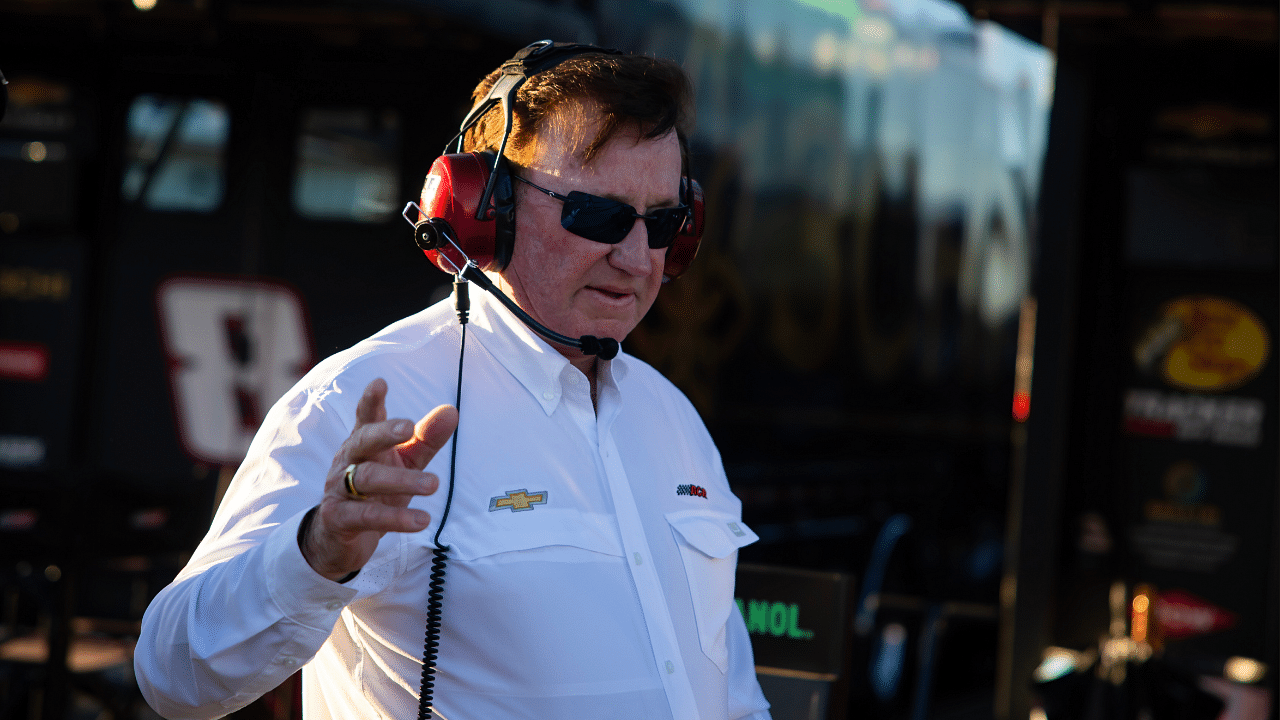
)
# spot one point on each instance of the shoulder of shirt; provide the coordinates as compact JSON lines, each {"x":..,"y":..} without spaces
{"x":419,"y":336}
{"x":677,"y":413}
{"x":643,"y":377}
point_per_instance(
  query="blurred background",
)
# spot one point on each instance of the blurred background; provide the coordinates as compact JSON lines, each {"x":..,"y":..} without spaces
{"x":983,"y":320}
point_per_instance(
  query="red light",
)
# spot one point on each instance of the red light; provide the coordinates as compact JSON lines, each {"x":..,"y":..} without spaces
{"x":1021,"y":405}
{"x":24,"y":361}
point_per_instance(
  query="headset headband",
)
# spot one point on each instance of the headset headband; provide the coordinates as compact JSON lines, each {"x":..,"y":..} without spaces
{"x":532,"y":59}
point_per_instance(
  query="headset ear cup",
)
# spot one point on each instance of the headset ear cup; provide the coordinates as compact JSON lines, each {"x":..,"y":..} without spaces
{"x":685,"y":247}
{"x":451,"y":192}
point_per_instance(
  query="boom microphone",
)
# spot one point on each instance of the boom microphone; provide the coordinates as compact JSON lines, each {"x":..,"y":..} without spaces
{"x":432,"y":233}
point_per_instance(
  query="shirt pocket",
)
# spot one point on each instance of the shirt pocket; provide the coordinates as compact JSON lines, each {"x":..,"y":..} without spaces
{"x":558,"y":535}
{"x":709,"y":545}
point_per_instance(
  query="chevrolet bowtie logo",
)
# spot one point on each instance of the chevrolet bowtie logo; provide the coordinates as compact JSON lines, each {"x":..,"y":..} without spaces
{"x":518,"y":500}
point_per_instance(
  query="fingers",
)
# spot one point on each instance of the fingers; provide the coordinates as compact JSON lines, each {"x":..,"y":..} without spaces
{"x":385,"y":458}
{"x":347,"y":527}
{"x":431,"y":433}
{"x":389,"y":454}
{"x":372,"y":406}
{"x":374,"y":434}
{"x":342,"y":536}
{"x":372,"y":440}
{"x":348,"y":519}
{"x":394,"y":484}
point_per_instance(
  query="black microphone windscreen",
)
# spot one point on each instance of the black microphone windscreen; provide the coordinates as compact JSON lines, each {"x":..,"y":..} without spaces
{"x":608,"y":348}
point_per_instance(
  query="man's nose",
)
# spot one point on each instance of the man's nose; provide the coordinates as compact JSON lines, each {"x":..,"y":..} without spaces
{"x":633,"y":255}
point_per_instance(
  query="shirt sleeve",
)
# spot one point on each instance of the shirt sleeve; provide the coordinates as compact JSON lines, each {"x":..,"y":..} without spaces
{"x":746,"y":700}
{"x":248,"y":611}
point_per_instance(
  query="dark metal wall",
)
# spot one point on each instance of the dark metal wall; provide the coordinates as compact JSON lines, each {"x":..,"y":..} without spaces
{"x":1160,"y":211}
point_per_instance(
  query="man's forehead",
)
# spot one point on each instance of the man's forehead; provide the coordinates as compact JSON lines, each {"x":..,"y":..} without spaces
{"x":566,"y":133}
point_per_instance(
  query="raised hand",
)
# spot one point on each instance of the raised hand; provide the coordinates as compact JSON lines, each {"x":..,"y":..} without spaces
{"x":388,"y":457}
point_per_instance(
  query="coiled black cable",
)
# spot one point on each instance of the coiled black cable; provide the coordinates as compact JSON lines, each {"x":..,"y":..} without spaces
{"x":430,"y":650}
{"x":435,"y":587}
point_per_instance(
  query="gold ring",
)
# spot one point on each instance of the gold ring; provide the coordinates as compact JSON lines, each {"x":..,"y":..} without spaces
{"x":349,"y":478}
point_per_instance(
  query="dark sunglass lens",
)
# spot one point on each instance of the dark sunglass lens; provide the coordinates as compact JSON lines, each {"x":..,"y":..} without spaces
{"x":596,"y":218}
{"x":608,"y":221}
{"x":663,"y":226}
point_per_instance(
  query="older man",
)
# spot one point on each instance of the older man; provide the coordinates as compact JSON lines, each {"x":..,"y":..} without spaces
{"x":584,"y":578}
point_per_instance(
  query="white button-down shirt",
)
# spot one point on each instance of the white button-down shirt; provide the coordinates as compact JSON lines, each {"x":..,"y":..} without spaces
{"x":591,"y":551}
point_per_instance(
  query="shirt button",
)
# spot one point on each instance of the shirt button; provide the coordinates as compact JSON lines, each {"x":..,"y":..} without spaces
{"x":639,"y":560}
{"x":671,"y":667}
{"x":289,"y":661}
{"x":332,"y":605}
{"x":548,"y":395}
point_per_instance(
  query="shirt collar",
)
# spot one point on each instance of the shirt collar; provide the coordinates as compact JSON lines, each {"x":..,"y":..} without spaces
{"x":534,"y":362}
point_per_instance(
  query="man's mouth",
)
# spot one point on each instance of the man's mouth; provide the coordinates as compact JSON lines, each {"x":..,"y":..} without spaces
{"x":611,"y":293}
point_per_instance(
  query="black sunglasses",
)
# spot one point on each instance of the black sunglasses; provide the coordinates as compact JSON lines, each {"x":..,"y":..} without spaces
{"x":608,"y":221}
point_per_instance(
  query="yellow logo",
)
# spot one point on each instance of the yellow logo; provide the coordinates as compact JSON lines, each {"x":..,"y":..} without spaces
{"x":1202,"y":342}
{"x":518,"y":500}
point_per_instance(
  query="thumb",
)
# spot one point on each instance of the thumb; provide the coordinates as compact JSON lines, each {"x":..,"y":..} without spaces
{"x":429,"y":435}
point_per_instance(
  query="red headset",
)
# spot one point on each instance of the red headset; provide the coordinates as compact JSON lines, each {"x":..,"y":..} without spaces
{"x":460,"y":184}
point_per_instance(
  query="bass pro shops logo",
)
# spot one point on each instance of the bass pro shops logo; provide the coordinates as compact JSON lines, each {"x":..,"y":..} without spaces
{"x":692,"y":490}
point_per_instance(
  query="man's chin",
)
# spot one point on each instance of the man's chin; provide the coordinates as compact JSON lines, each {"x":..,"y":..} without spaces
{"x":616,"y":330}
